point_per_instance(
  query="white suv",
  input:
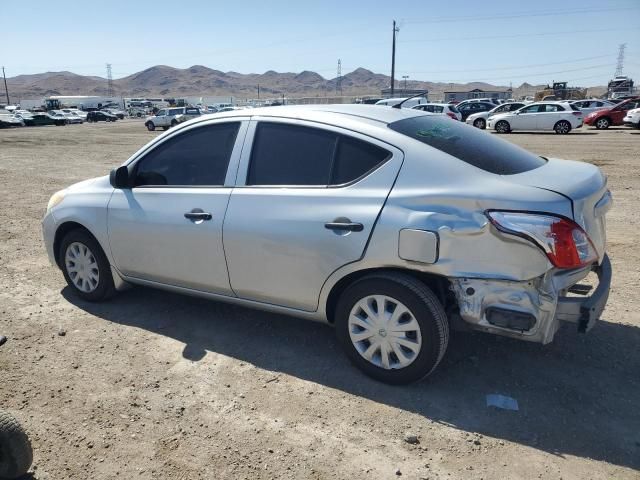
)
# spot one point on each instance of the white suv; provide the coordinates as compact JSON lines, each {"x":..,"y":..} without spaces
{"x":560,"y":117}
{"x":170,"y":117}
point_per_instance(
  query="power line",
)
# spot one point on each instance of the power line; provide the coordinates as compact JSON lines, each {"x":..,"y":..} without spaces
{"x":514,"y":68}
{"x":516,"y":35}
{"x":518,"y":15}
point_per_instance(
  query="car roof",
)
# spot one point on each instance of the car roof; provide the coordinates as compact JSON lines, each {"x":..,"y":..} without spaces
{"x":355,"y":112}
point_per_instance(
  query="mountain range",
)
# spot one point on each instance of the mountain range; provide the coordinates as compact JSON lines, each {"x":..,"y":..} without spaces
{"x":198,"y":80}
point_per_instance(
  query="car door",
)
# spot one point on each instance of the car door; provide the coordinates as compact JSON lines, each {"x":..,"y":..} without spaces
{"x":526,"y":118}
{"x":306,"y":201}
{"x":167,"y":228}
{"x":548,"y":115}
{"x":160,"y":119}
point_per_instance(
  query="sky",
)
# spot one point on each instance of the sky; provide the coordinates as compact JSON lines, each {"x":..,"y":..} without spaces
{"x":500,"y":42}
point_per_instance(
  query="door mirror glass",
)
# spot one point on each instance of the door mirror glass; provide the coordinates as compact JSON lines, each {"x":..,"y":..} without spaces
{"x":119,"y":177}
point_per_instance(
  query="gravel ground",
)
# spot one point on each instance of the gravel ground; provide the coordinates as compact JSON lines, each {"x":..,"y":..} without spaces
{"x":156,"y":385}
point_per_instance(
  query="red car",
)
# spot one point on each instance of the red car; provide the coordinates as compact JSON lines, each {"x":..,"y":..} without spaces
{"x":606,"y":117}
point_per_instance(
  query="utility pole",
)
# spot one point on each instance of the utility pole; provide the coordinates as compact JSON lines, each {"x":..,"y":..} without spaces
{"x":393,"y":59}
{"x":109,"y":81}
{"x":339,"y":78}
{"x":258,"y":91}
{"x":6,"y":90}
{"x":620,"y":64}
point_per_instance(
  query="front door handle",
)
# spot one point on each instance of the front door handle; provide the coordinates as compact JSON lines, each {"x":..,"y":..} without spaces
{"x":344,"y":225}
{"x":198,"y":215}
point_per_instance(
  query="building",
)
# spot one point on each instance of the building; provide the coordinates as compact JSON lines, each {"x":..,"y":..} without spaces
{"x":459,"y":94}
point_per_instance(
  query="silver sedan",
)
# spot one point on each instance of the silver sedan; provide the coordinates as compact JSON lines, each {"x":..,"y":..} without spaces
{"x":392,"y":225}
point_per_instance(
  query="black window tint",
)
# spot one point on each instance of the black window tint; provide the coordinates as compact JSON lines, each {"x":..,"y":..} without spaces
{"x":196,"y":157}
{"x":355,"y":158}
{"x":290,"y":155}
{"x":453,"y":109}
{"x":469,"y":144}
{"x":515,"y":106}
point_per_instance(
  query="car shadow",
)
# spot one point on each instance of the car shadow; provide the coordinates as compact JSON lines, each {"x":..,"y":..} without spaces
{"x":577,"y":396}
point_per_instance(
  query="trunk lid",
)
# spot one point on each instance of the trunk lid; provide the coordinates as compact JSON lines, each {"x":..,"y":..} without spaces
{"x":584,"y":185}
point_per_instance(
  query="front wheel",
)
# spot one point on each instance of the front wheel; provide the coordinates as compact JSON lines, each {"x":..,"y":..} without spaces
{"x":150,"y":126}
{"x":480,"y":123}
{"x":602,"y":123}
{"x":173,"y":123}
{"x":16,"y":454}
{"x":392,"y":327}
{"x":503,"y":127}
{"x":562,"y":127}
{"x":85,"y":266}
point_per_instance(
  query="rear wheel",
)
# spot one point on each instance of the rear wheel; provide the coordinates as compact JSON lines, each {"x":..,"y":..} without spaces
{"x":480,"y":123}
{"x":174,"y":123}
{"x":562,"y":127}
{"x":16,"y":454}
{"x":150,"y":126}
{"x":85,"y":266}
{"x":392,"y":327}
{"x":503,"y":127}
{"x":603,"y":123}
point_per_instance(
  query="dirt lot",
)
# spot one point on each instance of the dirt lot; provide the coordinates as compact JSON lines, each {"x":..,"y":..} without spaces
{"x":155,"y":385}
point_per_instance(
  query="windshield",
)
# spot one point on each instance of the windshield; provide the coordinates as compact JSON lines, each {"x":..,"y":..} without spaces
{"x":469,"y":144}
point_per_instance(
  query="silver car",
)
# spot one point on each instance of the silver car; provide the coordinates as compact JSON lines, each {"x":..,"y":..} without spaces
{"x":390,"y":224}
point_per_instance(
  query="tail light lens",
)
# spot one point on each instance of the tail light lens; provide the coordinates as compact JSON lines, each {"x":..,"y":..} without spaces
{"x":564,"y":242}
{"x":452,"y":115}
{"x":577,"y":114}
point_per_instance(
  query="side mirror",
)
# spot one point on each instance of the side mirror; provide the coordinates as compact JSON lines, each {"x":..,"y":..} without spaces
{"x":119,"y":177}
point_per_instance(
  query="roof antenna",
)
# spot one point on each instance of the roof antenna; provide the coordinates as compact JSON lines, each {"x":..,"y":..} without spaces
{"x":421,"y":94}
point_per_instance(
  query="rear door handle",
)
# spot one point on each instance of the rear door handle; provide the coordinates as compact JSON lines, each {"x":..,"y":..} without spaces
{"x":197,"y":214}
{"x":344,"y":226}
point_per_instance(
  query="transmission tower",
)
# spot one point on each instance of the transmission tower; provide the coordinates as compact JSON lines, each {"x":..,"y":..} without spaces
{"x":339,"y":79}
{"x":620,"y":64}
{"x":109,"y":81}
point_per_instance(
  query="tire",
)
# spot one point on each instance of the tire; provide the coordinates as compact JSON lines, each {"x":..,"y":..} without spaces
{"x":503,"y":127}
{"x":423,"y":308}
{"x":150,"y":126}
{"x":16,"y":454}
{"x":173,"y":123}
{"x":92,"y":263}
{"x":480,"y":123}
{"x":603,"y":123}
{"x":562,"y":127}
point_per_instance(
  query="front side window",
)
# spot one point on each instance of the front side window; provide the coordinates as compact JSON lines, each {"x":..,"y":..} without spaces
{"x":295,"y":155}
{"x":532,"y":109}
{"x":161,"y":113}
{"x":197,"y":157}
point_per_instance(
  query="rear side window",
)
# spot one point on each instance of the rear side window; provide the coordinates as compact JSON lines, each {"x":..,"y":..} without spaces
{"x":469,"y":144}
{"x":295,"y":155}
{"x":354,"y":159}
{"x":197,"y":157}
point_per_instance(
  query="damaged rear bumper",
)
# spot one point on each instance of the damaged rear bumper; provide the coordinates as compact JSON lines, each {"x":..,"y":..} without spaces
{"x":585,"y":311}
{"x":532,"y":310}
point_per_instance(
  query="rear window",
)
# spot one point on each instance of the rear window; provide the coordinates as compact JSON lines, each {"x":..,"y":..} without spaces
{"x":469,"y":144}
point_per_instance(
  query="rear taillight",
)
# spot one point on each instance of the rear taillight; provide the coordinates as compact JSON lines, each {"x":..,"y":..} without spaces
{"x":562,"y":240}
{"x":452,"y":115}
{"x":577,"y":114}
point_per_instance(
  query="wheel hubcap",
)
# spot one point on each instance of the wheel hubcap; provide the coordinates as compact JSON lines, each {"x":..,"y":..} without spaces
{"x":82,"y":267}
{"x":384,"y":332}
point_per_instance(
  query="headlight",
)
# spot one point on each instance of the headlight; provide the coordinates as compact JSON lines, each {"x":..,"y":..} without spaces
{"x":55,"y":199}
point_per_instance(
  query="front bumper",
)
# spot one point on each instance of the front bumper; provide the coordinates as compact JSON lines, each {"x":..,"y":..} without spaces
{"x":585,"y":311}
